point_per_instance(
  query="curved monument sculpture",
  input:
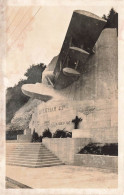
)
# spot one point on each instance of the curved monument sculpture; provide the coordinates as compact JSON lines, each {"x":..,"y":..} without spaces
{"x":82,"y":83}
{"x":83,"y":32}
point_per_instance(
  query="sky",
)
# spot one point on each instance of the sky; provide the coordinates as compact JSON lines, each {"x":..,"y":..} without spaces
{"x":35,"y":35}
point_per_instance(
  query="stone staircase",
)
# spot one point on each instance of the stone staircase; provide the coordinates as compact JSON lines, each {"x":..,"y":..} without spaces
{"x":30,"y":155}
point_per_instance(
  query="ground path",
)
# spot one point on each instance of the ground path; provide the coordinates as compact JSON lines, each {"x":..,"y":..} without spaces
{"x":64,"y":176}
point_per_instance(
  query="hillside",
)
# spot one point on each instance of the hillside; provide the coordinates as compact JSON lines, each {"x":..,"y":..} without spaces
{"x":15,"y":99}
{"x":19,"y":113}
{"x":23,"y":116}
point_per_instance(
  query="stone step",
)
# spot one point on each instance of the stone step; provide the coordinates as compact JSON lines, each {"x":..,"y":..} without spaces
{"x":32,"y":152}
{"x":32,"y":159}
{"x":32,"y":155}
{"x":35,"y":166}
{"x":28,"y":143}
{"x":28,"y":154}
{"x":29,"y":146}
{"x":25,"y":144}
{"x":34,"y":162}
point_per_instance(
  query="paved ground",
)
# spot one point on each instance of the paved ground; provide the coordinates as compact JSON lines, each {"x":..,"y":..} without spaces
{"x":63,"y":177}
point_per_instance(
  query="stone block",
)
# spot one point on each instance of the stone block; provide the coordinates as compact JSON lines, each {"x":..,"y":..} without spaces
{"x":81,"y":133}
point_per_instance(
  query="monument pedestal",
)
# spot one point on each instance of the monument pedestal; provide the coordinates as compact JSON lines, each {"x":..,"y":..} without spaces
{"x":26,"y":137}
{"x":80,"y":133}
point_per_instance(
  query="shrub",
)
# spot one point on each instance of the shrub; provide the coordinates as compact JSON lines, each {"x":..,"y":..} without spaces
{"x":100,"y":149}
{"x":40,"y":139}
{"x":62,"y":134}
{"x":112,"y":19}
{"x":68,"y":134}
{"x":35,"y":136}
{"x":47,"y":133}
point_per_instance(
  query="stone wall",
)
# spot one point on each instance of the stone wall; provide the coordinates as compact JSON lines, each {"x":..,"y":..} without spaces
{"x":97,"y":161}
{"x":65,"y":148}
{"x":94,"y":97}
{"x":99,"y":118}
{"x":99,"y":80}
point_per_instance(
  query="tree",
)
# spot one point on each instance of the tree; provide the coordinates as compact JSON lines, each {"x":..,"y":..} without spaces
{"x":40,"y":139}
{"x":35,"y":136}
{"x":104,"y":17}
{"x":34,"y":73}
{"x":112,"y":19}
{"x":15,"y":99}
{"x":47,"y":133}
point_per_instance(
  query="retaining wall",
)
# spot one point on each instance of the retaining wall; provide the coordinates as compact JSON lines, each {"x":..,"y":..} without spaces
{"x":65,"y":148}
{"x":97,"y":161}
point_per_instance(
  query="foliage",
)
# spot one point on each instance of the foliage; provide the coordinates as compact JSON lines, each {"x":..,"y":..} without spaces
{"x":35,"y":136}
{"x":47,"y":133}
{"x":12,"y":134}
{"x":112,"y":19}
{"x":62,"y":134}
{"x":40,"y":139}
{"x":15,"y":99}
{"x":104,"y":17}
{"x":100,"y":149}
{"x":34,"y":73}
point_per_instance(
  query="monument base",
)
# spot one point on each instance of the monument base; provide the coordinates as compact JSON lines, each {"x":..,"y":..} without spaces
{"x":26,"y":137}
{"x":80,"y":133}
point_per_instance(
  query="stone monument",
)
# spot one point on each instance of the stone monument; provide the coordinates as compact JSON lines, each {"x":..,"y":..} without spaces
{"x":91,"y":94}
